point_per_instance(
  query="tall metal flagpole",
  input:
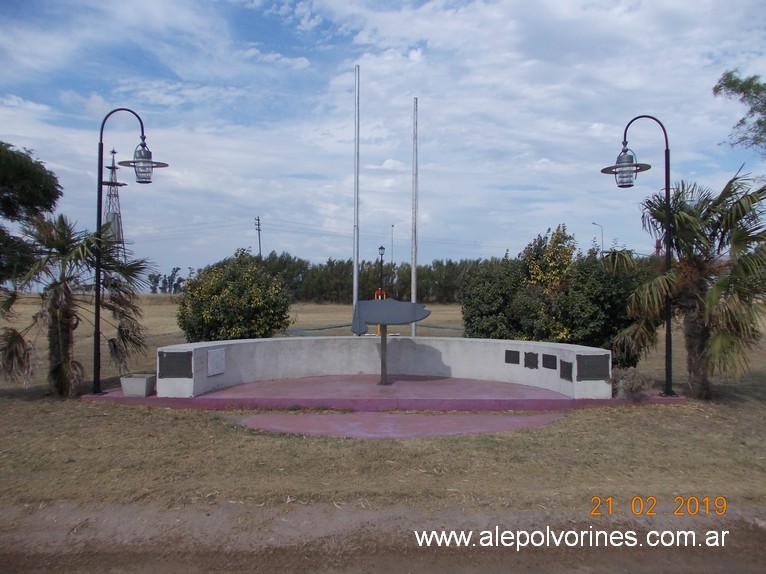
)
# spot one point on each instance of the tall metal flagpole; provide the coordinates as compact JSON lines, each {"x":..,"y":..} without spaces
{"x":355,"y":296}
{"x":414,"y":274}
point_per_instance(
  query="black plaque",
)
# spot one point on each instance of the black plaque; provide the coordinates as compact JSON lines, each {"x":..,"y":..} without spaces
{"x":549,"y":361}
{"x":565,"y":370}
{"x":530,"y":360}
{"x":512,"y":357}
{"x":175,"y":365}
{"x":592,"y":367}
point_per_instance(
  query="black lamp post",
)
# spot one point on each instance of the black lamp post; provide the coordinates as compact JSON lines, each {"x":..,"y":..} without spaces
{"x":143,"y":165}
{"x":381,"y":250}
{"x":625,"y":171}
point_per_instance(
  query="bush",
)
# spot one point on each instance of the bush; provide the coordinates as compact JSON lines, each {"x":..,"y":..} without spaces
{"x":628,"y":382}
{"x":233,"y":299}
{"x":551,"y":293}
{"x":486,"y":297}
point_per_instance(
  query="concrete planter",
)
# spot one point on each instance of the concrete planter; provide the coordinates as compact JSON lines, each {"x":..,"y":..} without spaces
{"x":138,"y":385}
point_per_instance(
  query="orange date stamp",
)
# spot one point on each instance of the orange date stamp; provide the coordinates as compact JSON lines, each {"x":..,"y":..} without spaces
{"x":647,"y":506}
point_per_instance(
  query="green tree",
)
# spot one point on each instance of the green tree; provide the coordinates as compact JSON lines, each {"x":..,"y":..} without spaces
{"x":64,"y":259}
{"x":154,"y":282}
{"x":547,"y":260}
{"x":446,"y":277}
{"x":233,"y":299}
{"x":27,"y":189}
{"x":750,"y":130}
{"x":549,"y":293}
{"x":291,"y":269}
{"x":403,"y":288}
{"x":717,"y":282}
{"x":593,"y":307}
{"x":486,"y":299}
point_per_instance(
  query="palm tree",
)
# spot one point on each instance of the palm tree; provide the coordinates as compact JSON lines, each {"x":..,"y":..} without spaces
{"x":63,"y":264}
{"x":717,"y":281}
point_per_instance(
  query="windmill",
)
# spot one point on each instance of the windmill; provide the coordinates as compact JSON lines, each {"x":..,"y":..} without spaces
{"x":113,"y":216}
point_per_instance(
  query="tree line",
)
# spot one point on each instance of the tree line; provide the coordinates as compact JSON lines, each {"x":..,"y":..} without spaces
{"x":332,"y":281}
{"x":171,"y":283}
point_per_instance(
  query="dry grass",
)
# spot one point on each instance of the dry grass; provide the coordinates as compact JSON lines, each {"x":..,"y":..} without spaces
{"x":64,"y":450}
{"x":100,"y":453}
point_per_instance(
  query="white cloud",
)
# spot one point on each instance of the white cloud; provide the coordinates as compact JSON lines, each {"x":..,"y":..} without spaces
{"x":274,"y":57}
{"x":519,"y":106}
{"x":11,"y":101}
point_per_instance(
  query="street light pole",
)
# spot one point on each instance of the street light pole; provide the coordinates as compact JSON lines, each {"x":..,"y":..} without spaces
{"x":625,"y":170}
{"x":391,"y":255}
{"x":602,"y":235}
{"x":144,"y":166}
{"x":382,"y":251}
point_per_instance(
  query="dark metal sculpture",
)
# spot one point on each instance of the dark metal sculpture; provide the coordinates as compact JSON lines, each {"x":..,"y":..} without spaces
{"x":385,"y":312}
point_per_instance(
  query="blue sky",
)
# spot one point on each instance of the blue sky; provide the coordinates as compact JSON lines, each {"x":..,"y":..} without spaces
{"x":520,"y":104}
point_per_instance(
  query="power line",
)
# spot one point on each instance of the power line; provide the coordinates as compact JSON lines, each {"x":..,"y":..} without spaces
{"x":210,"y":226}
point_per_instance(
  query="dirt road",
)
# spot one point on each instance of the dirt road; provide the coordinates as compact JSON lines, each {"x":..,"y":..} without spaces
{"x":233,"y":537}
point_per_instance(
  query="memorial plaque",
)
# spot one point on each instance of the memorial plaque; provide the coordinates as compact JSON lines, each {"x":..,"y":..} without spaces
{"x":592,"y":367}
{"x":565,"y":370}
{"x":175,"y":365}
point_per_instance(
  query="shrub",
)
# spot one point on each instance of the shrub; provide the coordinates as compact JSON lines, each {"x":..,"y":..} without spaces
{"x":233,"y":299}
{"x":551,"y":293}
{"x":627,"y":382}
{"x":486,"y":296}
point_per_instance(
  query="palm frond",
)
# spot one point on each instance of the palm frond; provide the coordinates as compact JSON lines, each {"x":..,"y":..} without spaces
{"x":637,"y":339}
{"x":729,"y":354}
{"x":6,"y":302}
{"x":648,"y":300}
{"x":16,"y":355}
{"x":618,"y":261}
{"x":129,"y":342}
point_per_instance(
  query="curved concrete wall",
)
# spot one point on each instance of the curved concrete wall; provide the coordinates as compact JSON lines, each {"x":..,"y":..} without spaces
{"x":193,"y":369}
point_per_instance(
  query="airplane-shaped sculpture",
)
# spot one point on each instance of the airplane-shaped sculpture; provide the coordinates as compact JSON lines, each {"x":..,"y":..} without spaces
{"x":385,"y":312}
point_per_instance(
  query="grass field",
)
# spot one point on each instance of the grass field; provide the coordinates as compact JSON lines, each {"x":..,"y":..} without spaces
{"x":656,"y":450}
{"x":97,"y":455}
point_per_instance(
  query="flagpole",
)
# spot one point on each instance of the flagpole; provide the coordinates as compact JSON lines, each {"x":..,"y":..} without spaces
{"x":414,"y":274}
{"x":355,"y":296}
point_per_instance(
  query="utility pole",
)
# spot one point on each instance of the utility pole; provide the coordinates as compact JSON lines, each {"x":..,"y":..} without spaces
{"x":258,"y":229}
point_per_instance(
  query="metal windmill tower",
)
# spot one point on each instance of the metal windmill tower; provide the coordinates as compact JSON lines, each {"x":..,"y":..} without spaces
{"x":113,"y":215}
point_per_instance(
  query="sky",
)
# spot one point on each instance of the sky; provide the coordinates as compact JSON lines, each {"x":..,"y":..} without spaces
{"x":252,"y":104}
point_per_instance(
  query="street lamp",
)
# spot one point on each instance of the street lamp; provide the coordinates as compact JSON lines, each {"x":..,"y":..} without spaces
{"x":602,"y":235}
{"x":382,"y":251}
{"x":143,"y":165}
{"x":625,"y":171}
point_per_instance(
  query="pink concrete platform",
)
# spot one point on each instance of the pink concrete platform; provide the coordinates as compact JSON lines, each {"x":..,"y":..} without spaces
{"x":367,"y":425}
{"x":451,"y":405}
